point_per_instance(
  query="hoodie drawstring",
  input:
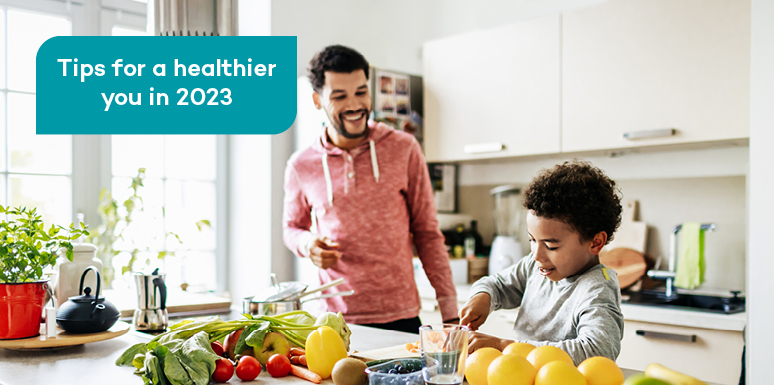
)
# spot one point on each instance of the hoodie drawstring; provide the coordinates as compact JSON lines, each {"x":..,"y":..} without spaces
{"x":327,"y":172}
{"x":374,"y":163}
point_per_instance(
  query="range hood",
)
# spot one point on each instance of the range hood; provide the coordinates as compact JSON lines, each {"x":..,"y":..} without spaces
{"x":193,"y":17}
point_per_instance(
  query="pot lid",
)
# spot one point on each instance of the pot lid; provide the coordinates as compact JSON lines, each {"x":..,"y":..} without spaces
{"x":87,"y":297}
{"x":280,"y":292}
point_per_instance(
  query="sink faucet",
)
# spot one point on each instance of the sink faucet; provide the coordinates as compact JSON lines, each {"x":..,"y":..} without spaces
{"x":669,"y":275}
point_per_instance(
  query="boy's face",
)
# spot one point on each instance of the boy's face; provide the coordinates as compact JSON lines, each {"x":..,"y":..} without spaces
{"x":347,"y":102}
{"x":559,"y":249}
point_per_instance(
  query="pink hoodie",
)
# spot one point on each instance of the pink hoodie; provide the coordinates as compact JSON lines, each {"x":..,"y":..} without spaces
{"x":370,"y":200}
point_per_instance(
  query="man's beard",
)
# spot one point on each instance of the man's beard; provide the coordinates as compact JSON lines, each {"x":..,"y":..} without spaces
{"x":339,"y":126}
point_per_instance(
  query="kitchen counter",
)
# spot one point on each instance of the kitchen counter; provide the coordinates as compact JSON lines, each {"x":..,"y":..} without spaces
{"x":94,"y":363}
{"x":642,"y":313}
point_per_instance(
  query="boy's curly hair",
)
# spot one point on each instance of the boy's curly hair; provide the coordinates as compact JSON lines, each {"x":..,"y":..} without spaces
{"x":334,"y":58}
{"x":578,"y":194}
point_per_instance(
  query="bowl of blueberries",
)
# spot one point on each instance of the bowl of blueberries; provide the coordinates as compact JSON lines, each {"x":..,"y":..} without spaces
{"x":403,"y":371}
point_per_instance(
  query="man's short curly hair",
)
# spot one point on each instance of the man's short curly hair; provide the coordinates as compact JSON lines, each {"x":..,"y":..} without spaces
{"x":578,"y":194}
{"x":335,"y":58}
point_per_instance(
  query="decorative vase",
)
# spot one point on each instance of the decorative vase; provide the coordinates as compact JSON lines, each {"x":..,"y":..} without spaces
{"x":21,"y":307}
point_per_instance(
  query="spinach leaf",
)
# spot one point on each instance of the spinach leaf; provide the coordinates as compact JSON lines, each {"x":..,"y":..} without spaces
{"x":253,"y":336}
{"x":128,"y":356}
{"x":197,"y":358}
{"x":154,"y":373}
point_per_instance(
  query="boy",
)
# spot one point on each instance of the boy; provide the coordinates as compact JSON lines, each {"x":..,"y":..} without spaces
{"x":566,"y":297}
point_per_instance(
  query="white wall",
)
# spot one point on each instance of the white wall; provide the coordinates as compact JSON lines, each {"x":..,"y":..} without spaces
{"x":760,"y":334}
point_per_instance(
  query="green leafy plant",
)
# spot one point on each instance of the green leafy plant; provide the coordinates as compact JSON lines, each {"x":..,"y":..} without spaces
{"x":116,"y":218}
{"x":27,"y":248}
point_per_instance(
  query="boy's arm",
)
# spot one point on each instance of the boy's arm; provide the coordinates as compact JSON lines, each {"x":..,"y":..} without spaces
{"x":506,"y":288}
{"x":599,"y":327}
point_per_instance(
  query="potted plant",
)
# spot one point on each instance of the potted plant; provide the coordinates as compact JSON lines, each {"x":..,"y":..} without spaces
{"x":26,"y":249}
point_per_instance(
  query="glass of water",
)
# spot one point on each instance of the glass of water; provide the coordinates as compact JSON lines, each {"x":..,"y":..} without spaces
{"x":444,"y":349}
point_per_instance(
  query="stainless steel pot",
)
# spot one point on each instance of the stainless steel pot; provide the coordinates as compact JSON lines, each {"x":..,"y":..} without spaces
{"x":258,"y":308}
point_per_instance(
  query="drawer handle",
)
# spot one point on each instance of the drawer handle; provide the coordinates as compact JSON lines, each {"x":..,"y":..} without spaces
{"x":480,"y":148}
{"x":667,"y":336}
{"x":648,"y":134}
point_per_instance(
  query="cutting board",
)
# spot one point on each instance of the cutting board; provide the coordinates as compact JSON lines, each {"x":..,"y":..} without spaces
{"x":63,"y":339}
{"x":628,"y":264}
{"x":397,"y":351}
{"x":631,"y":234}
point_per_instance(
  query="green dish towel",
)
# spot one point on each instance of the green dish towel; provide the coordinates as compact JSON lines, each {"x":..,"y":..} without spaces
{"x":690,"y":260}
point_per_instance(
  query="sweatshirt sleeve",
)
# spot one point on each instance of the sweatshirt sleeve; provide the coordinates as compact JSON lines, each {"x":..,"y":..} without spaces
{"x":296,"y":215}
{"x":506,"y":288}
{"x":599,"y":324}
{"x":427,"y":236}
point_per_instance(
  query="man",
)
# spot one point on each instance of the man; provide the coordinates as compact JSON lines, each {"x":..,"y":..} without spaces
{"x":367,"y":190}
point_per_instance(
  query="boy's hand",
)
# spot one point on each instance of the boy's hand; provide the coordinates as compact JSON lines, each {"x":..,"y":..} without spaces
{"x":475,"y":311}
{"x":478,"y":340}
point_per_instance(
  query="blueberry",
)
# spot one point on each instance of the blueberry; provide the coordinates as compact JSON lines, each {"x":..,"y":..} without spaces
{"x":392,"y":371}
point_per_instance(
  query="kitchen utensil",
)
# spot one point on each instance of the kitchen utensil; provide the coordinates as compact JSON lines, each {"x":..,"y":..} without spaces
{"x":506,"y":249}
{"x":63,"y":339}
{"x":631,"y":234}
{"x":397,"y":351}
{"x":87,"y":313}
{"x":151,"y":313}
{"x":328,"y":285}
{"x":282,"y":291}
{"x":629,"y":264}
{"x":257,"y":308}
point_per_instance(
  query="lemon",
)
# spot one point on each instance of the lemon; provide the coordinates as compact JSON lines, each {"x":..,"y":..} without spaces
{"x":559,"y":373}
{"x":477,"y":364}
{"x":520,"y":348}
{"x":601,"y":371}
{"x":510,"y":369}
{"x":542,"y":355}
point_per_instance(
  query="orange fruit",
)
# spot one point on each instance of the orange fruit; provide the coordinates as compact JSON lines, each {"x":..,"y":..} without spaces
{"x":510,"y":369}
{"x":559,"y":373}
{"x":601,"y":371}
{"x":521,"y":348}
{"x":542,"y":355}
{"x":477,"y":364}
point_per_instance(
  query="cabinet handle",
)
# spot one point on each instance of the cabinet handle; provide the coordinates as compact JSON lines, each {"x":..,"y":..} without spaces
{"x":480,"y":148}
{"x":648,"y":134}
{"x":667,"y":336}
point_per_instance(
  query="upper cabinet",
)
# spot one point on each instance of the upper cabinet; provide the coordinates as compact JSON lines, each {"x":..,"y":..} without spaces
{"x":493,"y":93}
{"x":644,"y":67}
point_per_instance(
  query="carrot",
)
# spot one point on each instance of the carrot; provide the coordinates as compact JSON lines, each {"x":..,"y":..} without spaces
{"x":297,"y":352}
{"x":305,"y":374}
{"x":302,"y":360}
{"x":295,"y":360}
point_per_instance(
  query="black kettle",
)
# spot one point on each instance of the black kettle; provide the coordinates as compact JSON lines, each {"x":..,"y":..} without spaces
{"x":86,"y":313}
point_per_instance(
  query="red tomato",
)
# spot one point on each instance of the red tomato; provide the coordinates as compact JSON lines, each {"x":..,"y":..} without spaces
{"x":224,"y":370}
{"x":217,"y":347}
{"x":248,"y":368}
{"x":278,"y":365}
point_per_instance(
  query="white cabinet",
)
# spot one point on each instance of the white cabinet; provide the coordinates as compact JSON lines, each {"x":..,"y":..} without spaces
{"x":494,"y":93}
{"x":642,"y":65}
{"x":707,"y":354}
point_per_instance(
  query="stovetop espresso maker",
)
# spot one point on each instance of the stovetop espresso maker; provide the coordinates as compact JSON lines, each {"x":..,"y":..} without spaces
{"x":151,"y":313}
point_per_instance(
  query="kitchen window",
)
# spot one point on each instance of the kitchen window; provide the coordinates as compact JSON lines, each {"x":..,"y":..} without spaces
{"x":35,"y":171}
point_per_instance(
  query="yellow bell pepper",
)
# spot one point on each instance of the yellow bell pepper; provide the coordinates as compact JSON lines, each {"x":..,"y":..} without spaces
{"x":324,"y":347}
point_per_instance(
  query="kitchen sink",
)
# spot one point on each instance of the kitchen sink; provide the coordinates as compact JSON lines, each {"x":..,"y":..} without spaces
{"x":683,"y":301}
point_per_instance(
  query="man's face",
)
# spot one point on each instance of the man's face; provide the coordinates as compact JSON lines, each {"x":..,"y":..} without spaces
{"x":347,"y":102}
{"x":558,"y":248}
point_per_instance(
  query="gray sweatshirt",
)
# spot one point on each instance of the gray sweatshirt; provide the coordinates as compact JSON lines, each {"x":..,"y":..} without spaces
{"x":579,"y":314}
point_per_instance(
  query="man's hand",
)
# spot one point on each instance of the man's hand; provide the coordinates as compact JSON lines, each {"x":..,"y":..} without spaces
{"x":322,"y":252}
{"x":478,"y":340}
{"x":475,"y":311}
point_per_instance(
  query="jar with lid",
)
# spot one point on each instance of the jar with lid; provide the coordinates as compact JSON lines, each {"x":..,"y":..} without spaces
{"x":68,"y":273}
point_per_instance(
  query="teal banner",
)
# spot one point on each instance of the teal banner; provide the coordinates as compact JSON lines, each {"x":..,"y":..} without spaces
{"x":166,"y":85}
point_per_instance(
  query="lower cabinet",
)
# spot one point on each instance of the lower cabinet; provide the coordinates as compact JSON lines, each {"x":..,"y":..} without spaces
{"x":707,"y":354}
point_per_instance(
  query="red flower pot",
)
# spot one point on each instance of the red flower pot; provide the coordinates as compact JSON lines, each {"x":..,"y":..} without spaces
{"x":21,"y":306}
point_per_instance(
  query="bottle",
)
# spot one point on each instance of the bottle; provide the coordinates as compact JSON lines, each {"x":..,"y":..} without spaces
{"x":458,"y":248}
{"x":477,"y":237}
{"x":68,"y":273}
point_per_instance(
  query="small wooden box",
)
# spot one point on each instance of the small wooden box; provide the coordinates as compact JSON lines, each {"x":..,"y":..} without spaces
{"x":477,"y":267}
